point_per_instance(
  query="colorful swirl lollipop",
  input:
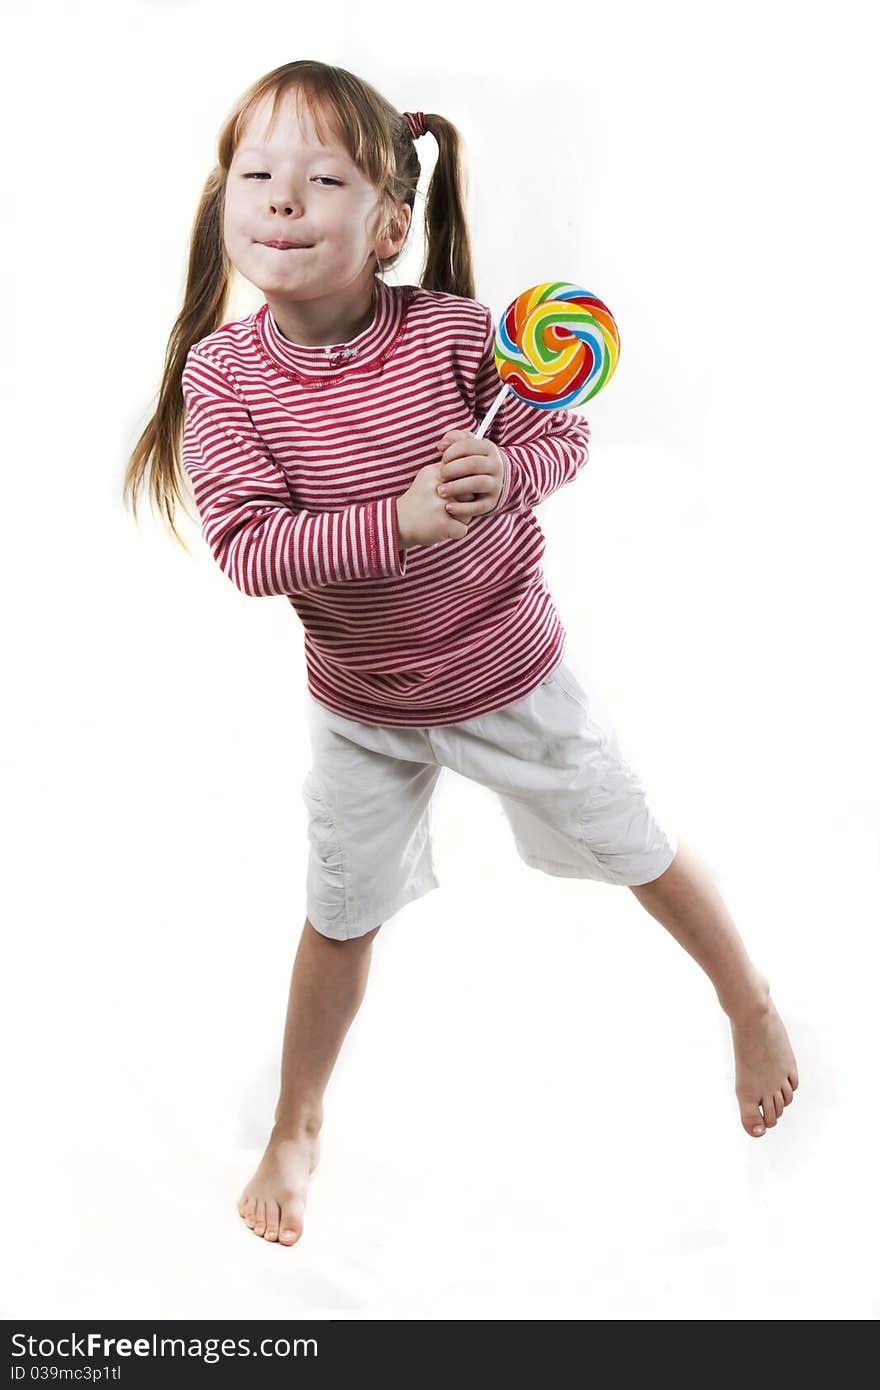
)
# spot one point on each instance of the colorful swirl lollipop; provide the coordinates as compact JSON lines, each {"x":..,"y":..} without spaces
{"x":556,"y":346}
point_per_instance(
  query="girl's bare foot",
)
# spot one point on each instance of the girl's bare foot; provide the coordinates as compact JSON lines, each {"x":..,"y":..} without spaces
{"x":273,"y":1202}
{"x":766,"y":1071}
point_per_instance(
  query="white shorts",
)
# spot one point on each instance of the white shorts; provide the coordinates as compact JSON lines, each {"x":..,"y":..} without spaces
{"x":577,"y":808}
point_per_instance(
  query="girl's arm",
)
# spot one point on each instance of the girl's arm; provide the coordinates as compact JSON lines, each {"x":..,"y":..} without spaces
{"x":259,"y":540}
{"x":541,"y":449}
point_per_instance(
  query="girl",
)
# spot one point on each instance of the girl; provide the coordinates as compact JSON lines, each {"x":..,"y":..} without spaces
{"x":328,"y":438}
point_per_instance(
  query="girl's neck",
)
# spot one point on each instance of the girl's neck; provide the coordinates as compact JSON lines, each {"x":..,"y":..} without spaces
{"x":325,"y":322}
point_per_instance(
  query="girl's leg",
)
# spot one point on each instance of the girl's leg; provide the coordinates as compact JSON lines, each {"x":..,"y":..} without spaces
{"x":326,"y":988}
{"x":687,"y":903}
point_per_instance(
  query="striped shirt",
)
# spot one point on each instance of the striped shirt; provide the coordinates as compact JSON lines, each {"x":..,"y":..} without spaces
{"x":297,"y":455}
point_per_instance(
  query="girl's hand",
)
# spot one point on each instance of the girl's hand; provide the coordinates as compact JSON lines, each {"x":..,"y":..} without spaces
{"x":471,"y":474}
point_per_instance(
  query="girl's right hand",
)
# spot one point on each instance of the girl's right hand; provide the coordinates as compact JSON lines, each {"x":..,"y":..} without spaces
{"x":422,"y":518}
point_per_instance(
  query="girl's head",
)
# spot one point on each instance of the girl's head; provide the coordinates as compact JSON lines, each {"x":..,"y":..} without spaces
{"x":310,"y":154}
{"x":297,"y":174}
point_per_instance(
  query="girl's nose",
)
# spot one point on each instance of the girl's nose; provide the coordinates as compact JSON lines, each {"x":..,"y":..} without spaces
{"x":285,"y":196}
{"x":285,"y":204}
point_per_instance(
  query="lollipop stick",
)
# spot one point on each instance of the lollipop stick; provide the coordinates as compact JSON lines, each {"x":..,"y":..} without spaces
{"x":491,"y":416}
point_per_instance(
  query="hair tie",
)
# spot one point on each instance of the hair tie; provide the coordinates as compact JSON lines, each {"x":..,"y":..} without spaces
{"x":416,"y":121}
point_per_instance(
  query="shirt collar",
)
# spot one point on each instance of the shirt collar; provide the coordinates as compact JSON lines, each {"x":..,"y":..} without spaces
{"x":318,"y":365}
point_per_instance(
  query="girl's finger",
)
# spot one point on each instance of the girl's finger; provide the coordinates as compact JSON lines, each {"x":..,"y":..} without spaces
{"x":481,"y":482}
{"x":472,"y":508}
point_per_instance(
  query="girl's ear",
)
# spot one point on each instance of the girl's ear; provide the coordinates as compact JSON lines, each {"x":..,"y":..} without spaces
{"x":395,"y":232}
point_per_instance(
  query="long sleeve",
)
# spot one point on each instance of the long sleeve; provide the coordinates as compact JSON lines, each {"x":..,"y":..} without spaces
{"x":541,"y":449}
{"x":261,"y":542}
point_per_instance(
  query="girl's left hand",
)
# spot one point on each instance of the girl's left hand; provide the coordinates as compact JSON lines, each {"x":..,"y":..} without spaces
{"x":471,"y":474}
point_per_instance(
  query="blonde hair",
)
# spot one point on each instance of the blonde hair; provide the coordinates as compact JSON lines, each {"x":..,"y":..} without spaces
{"x":379,"y":141}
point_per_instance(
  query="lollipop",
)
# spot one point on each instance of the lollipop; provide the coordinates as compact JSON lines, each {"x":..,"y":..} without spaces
{"x":556,"y":346}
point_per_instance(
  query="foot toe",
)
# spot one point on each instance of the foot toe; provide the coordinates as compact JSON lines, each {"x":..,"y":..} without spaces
{"x":250,"y":1212}
{"x":260,"y":1222}
{"x":273,"y":1216}
{"x":769,"y":1110}
{"x":752,"y":1119}
{"x":291,"y":1222}
{"x":787,"y":1093}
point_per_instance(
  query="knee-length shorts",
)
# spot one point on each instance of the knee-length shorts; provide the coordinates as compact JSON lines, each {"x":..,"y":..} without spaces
{"x":577,"y":807}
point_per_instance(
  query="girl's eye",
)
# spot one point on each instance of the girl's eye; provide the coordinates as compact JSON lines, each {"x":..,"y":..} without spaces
{"x":321,"y":177}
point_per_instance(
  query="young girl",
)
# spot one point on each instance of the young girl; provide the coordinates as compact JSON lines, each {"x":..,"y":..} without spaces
{"x":328,"y":438}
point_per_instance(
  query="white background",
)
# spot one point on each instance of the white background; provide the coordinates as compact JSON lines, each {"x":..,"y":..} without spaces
{"x":533,"y":1114}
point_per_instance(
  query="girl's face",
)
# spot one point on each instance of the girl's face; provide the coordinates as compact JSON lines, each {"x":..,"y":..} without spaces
{"x":292,"y":188}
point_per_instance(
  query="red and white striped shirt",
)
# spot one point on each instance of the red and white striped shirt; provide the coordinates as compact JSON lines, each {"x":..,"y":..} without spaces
{"x":297,"y":456}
